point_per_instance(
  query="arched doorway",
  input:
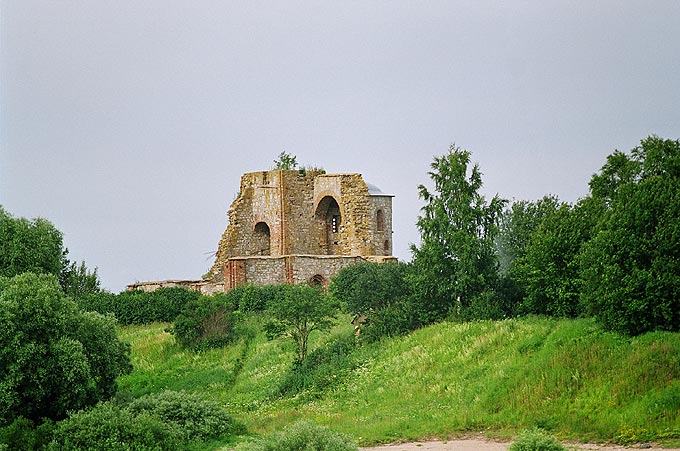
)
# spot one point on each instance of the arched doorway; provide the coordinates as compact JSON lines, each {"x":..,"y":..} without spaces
{"x":328,"y":214}
{"x":262,"y":239}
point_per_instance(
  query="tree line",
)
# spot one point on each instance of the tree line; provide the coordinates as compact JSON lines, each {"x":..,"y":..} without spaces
{"x":612,"y":255}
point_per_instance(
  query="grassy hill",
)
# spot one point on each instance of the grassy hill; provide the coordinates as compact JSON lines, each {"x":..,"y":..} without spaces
{"x":566,"y":376}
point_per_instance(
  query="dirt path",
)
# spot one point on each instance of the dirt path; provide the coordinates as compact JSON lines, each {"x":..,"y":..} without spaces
{"x":487,"y":445}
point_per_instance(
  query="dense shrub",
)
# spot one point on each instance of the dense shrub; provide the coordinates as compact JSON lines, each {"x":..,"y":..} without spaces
{"x":630,"y":268}
{"x":141,"y":307}
{"x":22,"y":435}
{"x":108,"y":427}
{"x":54,"y":357}
{"x":390,"y":321}
{"x":381,"y":293}
{"x":205,"y":323}
{"x":323,"y":368}
{"x":300,"y":436}
{"x":194,"y":416}
{"x":536,"y":440}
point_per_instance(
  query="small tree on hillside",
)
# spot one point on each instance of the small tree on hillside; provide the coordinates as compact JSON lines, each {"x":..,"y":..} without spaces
{"x":302,"y":310}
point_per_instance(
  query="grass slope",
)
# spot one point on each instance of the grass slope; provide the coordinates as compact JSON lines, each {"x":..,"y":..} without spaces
{"x":566,"y":376}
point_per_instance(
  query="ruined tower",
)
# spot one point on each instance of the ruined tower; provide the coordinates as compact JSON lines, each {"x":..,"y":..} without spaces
{"x":296,"y":226}
{"x":293,"y":226}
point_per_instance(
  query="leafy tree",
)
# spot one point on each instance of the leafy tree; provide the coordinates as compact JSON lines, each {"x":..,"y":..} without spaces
{"x":380,"y":292}
{"x":517,"y":227}
{"x":368,"y":287}
{"x":548,"y":271}
{"x":29,"y":246}
{"x":54,"y":357}
{"x":300,"y":311}
{"x":286,"y":161}
{"x":77,"y":281}
{"x":630,"y":268}
{"x":456,"y":260}
{"x":518,"y":224}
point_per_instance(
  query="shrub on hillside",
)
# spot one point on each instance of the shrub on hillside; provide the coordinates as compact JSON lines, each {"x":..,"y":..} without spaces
{"x":536,"y":440}
{"x":194,"y":416}
{"x":23,"y":435}
{"x":108,"y":427}
{"x":380,"y":292}
{"x":54,"y":357}
{"x":300,"y":436}
{"x":324,"y":367}
{"x":141,"y":307}
{"x":205,"y":323}
{"x":390,"y":321}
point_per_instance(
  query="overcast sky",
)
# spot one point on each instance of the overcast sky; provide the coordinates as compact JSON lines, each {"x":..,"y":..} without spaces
{"x":128,"y":123}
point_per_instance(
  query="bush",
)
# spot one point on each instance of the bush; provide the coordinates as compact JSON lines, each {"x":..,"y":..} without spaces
{"x":205,"y":323}
{"x":195,"y":417}
{"x":163,"y":421}
{"x":390,"y":321}
{"x":323,"y":368}
{"x":107,"y":427}
{"x":141,"y":307}
{"x":54,"y":358}
{"x":22,"y":435}
{"x":382,"y":293}
{"x":536,"y":440}
{"x":300,"y":436}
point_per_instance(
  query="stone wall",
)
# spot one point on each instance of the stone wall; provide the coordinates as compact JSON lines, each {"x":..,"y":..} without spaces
{"x":292,"y":269}
{"x":381,"y":224}
{"x":202,"y":286}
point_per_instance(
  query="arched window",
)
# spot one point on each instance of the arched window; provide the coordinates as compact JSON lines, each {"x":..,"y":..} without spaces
{"x":330,"y":218}
{"x":380,"y":220}
{"x":262,"y":239}
{"x":386,"y":247}
{"x":317,"y":281}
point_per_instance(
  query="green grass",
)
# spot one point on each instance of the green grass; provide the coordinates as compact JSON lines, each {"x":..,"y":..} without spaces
{"x":565,"y":376}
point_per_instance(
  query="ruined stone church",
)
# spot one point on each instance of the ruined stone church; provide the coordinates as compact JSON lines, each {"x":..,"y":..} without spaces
{"x":295,"y":226}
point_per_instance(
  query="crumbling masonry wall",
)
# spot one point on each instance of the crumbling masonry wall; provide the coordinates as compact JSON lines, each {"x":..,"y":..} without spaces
{"x":290,"y":226}
{"x":290,"y":212}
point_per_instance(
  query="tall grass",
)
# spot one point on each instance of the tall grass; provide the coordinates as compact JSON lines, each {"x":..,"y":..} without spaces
{"x":564,"y":376}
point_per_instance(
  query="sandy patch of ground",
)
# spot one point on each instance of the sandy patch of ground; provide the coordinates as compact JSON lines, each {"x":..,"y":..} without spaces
{"x":487,"y":445}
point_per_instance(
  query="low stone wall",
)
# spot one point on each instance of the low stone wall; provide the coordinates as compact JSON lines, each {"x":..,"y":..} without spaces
{"x":292,"y":269}
{"x":202,"y":286}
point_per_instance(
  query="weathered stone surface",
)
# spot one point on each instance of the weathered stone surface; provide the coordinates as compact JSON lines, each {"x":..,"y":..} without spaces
{"x":202,"y":286}
{"x":293,"y":226}
{"x":302,"y":213}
